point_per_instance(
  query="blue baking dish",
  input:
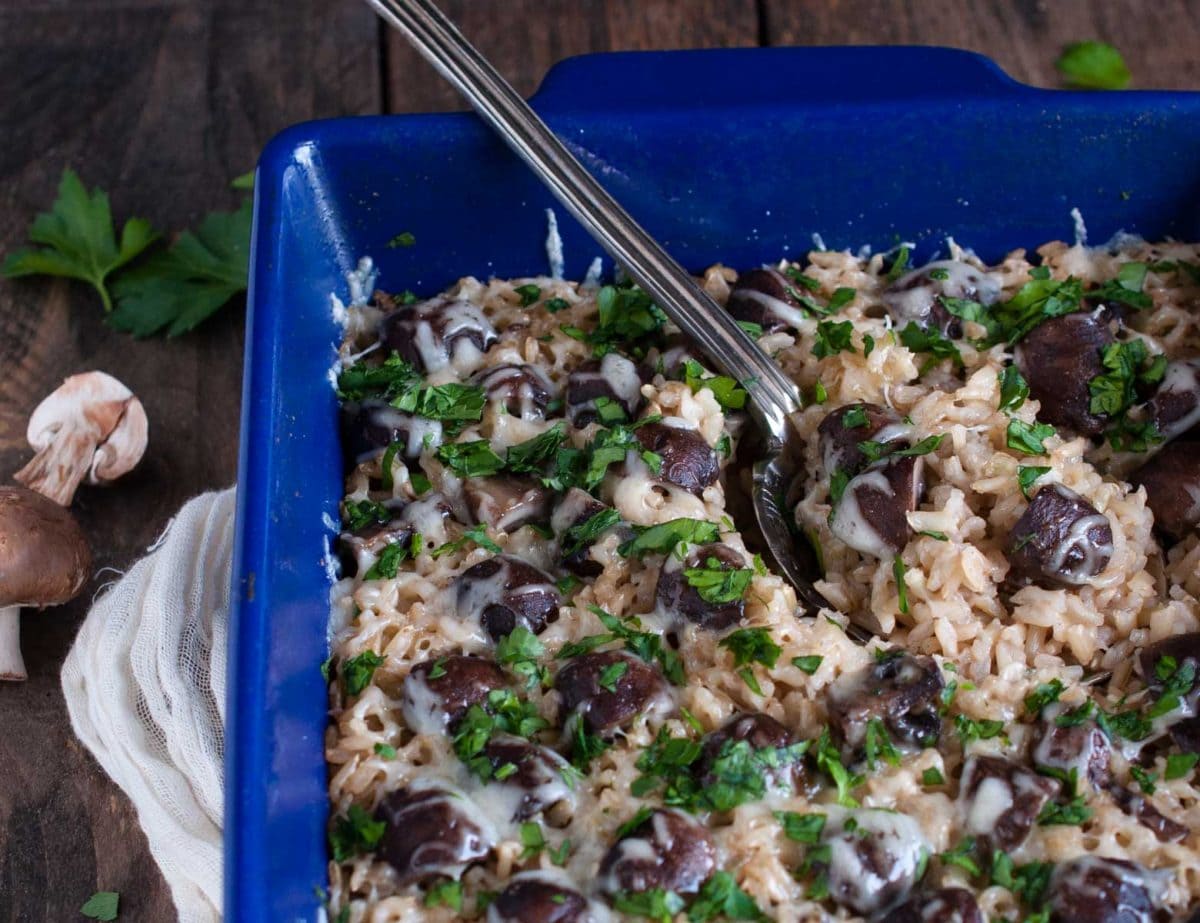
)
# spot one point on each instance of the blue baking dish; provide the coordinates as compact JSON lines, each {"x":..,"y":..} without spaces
{"x":733,"y":155}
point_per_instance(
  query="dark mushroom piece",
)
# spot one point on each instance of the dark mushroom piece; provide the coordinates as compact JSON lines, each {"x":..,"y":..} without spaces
{"x":607,"y":690}
{"x":872,"y":514}
{"x":1060,"y":540}
{"x":432,"y":830}
{"x":369,"y":427}
{"x":679,"y":597}
{"x":504,"y":592}
{"x":916,"y":297}
{"x":613,"y":378}
{"x":522,"y":390}
{"x":438,"y":333}
{"x":843,"y":429}
{"x":506,"y":503}
{"x":768,"y":298}
{"x":537,"y":775}
{"x":1059,"y":358}
{"x":667,"y":850}
{"x":1000,"y":800}
{"x":875,"y":858}
{"x":945,"y":905}
{"x":574,"y":509}
{"x":1175,"y":406}
{"x":437,"y":692}
{"x":539,"y":897}
{"x":687,"y":460}
{"x":901,"y":690}
{"x":1145,"y":813}
{"x":1184,"y":649}
{"x":1093,"y":889}
{"x":1080,"y":748}
{"x":761,"y":732}
{"x":1172,"y":482}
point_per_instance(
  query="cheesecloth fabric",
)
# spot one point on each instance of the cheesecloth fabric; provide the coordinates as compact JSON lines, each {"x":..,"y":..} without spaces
{"x":145,"y":688}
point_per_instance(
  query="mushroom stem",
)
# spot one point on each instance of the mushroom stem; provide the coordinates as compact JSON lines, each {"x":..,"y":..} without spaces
{"x":12,"y":666}
{"x":57,"y":470}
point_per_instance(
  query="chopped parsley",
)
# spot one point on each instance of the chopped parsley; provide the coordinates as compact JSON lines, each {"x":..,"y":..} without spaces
{"x":519,"y":650}
{"x":801,"y":828}
{"x":611,"y":674}
{"x":445,"y":894}
{"x":750,"y":646}
{"x":103,"y":906}
{"x":833,"y":338}
{"x":585,"y":746}
{"x":1039,"y":299}
{"x":721,"y":896}
{"x":655,"y":904}
{"x":918,"y":340}
{"x":717,"y":583}
{"x":898,"y":572}
{"x":582,"y":534}
{"x":1073,"y":813}
{"x":899,"y":265}
{"x":355,"y":833}
{"x":390,"y":558}
{"x":473,"y":459}
{"x":1028,"y":438}
{"x":476,"y":534}
{"x":970,"y":729}
{"x":627,"y":318}
{"x":393,"y":377}
{"x":829,"y":761}
{"x":554,"y":305}
{"x":808,"y":664}
{"x":855,"y":418}
{"x":1027,"y":882}
{"x":1043,"y":695}
{"x":665,"y":537}
{"x":963,"y":856}
{"x":529,"y":456}
{"x":729,"y":394}
{"x":1126,"y":365}
{"x":1180,"y":765}
{"x":387,"y":751}
{"x":645,"y":644}
{"x":1028,"y":475}
{"x":1014,"y":389}
{"x":841,"y":297}
{"x":1126,"y":288}
{"x":839,"y":480}
{"x":356,"y":672}
{"x":933,"y":776}
{"x":359,"y":513}
{"x":878,"y":745}
{"x":528,"y":293}
{"x":1144,"y":779}
{"x":504,"y":713}
{"x":874,"y":451}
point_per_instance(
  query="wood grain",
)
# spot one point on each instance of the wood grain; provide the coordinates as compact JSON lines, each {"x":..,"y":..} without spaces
{"x":160,"y":103}
{"x":1159,"y":40}
{"x":533,"y":34}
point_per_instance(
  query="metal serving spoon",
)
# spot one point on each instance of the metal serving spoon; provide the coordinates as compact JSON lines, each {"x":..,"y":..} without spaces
{"x":773,"y":398}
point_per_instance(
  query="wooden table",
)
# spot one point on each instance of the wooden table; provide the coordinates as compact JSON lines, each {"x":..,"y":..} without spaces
{"x":162,"y":102}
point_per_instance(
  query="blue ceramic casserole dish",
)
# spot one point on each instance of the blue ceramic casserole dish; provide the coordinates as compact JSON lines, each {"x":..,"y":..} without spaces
{"x":733,"y":155}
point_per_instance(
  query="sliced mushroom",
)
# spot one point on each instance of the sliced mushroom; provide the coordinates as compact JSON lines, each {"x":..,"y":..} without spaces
{"x":667,"y":850}
{"x":901,"y":690}
{"x":1172,"y":482}
{"x":768,"y":298}
{"x":1175,"y":406}
{"x":1139,"y":807}
{"x":1079,"y":748}
{"x":1060,"y":539}
{"x":614,"y":378}
{"x":536,"y":775}
{"x":576,"y":507}
{"x":438,"y":692}
{"x":872,"y":514}
{"x":1094,"y":889}
{"x":369,"y":427}
{"x":945,"y":905}
{"x":506,"y":503}
{"x":875,"y":857}
{"x":504,"y":592}
{"x":687,"y":460}
{"x":916,"y":297}
{"x":91,"y":427}
{"x":522,"y":390}
{"x":1059,"y":358}
{"x":432,"y":829}
{"x":761,"y":732}
{"x":677,"y":596}
{"x":438,"y":333}
{"x":607,"y":690}
{"x":843,"y":429}
{"x":542,"y":896}
{"x":1000,"y":800}
{"x":44,"y":561}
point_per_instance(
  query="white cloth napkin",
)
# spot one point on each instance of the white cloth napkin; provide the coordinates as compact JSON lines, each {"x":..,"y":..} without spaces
{"x":145,"y":688}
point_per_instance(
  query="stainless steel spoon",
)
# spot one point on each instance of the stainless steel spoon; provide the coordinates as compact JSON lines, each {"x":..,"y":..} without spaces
{"x":773,"y":398}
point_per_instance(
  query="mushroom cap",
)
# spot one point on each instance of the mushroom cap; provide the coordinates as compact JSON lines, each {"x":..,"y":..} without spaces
{"x":44,"y":556}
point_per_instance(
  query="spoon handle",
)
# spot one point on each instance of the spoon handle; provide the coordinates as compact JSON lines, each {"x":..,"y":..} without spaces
{"x":773,"y":397}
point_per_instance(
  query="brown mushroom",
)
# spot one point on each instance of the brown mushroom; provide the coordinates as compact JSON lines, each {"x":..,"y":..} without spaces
{"x":766,"y":297}
{"x":1059,"y":358}
{"x":91,"y":427}
{"x":1060,"y":539}
{"x":916,"y":297}
{"x":44,"y":561}
{"x":872,"y":514}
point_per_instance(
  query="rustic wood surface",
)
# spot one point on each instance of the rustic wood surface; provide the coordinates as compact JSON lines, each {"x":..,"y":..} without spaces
{"x":161,"y":102}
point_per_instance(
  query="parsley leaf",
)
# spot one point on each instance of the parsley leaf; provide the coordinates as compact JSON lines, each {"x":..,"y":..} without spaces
{"x":582,"y":534}
{"x":477,"y":534}
{"x":503,"y":713}
{"x":878,"y":743}
{"x":356,"y":672}
{"x":474,"y":459}
{"x":529,"y":456}
{"x":1028,"y":438}
{"x":78,"y":239}
{"x":1180,"y":764}
{"x":175,"y":290}
{"x":1037,"y":300}
{"x":801,"y":828}
{"x":832,"y":338}
{"x":898,"y":572}
{"x":728,"y":393}
{"x":103,"y":905}
{"x":809,"y":664}
{"x":1028,"y":475}
{"x":1093,"y":65}
{"x":390,"y":558}
{"x":529,"y":293}
{"x":443,"y":402}
{"x":899,"y":265}
{"x":970,"y":729}
{"x":749,"y":646}
{"x":358,"y":832}
{"x":1072,"y":814}
{"x":1043,"y":695}
{"x":721,"y":896}
{"x":358,"y":513}
{"x":829,"y":761}
{"x":718,"y":583}
{"x":933,"y":776}
{"x":919,"y":340}
{"x":1126,"y":288}
{"x":1013,"y":388}
{"x":655,"y":904}
{"x":664,"y":537}
{"x":963,"y":856}
{"x":627,"y":317}
{"x":445,"y":894}
{"x":645,"y":644}
{"x":519,"y":650}
{"x":393,"y":377}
